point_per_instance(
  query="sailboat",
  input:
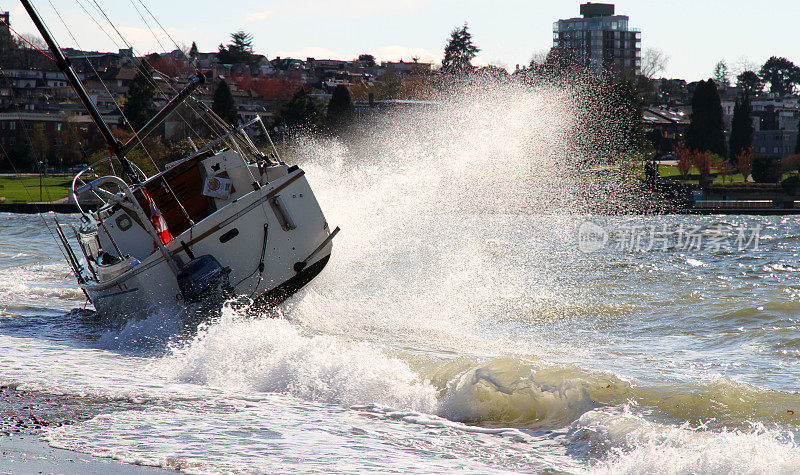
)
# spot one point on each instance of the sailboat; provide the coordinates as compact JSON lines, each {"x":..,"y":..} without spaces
{"x":226,"y":220}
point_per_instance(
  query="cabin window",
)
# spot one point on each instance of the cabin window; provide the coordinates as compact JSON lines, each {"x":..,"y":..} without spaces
{"x":229,"y":235}
{"x":124,"y":222}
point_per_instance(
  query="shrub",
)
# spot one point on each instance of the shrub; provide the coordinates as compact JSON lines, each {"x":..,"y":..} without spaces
{"x":766,"y":169}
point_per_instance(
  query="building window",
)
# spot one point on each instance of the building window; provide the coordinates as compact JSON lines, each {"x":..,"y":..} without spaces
{"x":12,"y":126}
{"x":28,"y":125}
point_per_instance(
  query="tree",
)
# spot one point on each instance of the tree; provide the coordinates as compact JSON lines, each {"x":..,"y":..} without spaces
{"x":239,"y":50}
{"x":388,"y":86}
{"x":797,"y":144}
{"x":367,"y":59}
{"x":625,"y":111}
{"x":684,"y":159}
{"x":702,"y":160}
{"x":340,"y":108}
{"x":560,"y":62}
{"x":139,"y":107}
{"x":300,"y":111}
{"x":223,"y":104}
{"x":70,"y":140}
{"x":459,"y":52}
{"x":749,"y":82}
{"x":722,"y":74}
{"x":654,"y":61}
{"x":781,"y":74}
{"x":193,"y":52}
{"x":744,"y":162}
{"x":741,"y":128}
{"x":39,"y":145}
{"x":706,"y":130}
{"x":722,"y":165}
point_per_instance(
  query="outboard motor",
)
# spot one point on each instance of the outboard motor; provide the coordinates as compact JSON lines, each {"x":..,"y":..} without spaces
{"x":200,"y":277}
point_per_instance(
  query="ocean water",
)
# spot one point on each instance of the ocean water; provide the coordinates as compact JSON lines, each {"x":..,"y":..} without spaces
{"x":480,"y":313}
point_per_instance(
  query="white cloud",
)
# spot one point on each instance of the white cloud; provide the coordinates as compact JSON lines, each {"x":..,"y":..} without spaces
{"x":349,"y":8}
{"x":256,"y":17}
{"x":398,"y":52}
{"x":317,"y":52}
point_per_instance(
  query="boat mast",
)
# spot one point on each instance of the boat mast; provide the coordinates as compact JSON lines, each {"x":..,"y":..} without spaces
{"x":65,"y":66}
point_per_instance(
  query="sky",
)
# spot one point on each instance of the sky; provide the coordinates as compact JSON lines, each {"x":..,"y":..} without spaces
{"x":695,"y":34}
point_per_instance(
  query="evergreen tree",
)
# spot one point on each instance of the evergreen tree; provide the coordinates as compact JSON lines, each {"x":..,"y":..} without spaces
{"x":300,"y":111}
{"x":797,"y":144}
{"x":239,"y":50}
{"x":223,"y":104}
{"x":625,"y":106}
{"x":721,"y":74}
{"x":741,"y":128}
{"x":139,"y":107}
{"x":749,"y":82}
{"x":193,"y":52}
{"x":39,"y":145}
{"x":706,"y":130}
{"x":340,"y":108}
{"x":781,"y":74}
{"x":367,"y":59}
{"x":459,"y":52}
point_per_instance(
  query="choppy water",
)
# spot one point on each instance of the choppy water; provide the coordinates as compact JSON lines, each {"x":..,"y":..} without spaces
{"x":458,"y":326}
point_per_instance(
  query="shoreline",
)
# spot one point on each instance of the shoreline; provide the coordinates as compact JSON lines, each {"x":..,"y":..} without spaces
{"x":30,"y":454}
{"x":26,"y":415}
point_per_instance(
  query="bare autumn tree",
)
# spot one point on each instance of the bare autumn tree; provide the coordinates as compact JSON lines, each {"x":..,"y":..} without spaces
{"x":654,"y":61}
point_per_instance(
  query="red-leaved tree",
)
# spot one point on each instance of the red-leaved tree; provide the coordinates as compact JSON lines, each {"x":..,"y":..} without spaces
{"x":744,"y":162}
{"x":684,"y":159}
{"x":702,"y":161}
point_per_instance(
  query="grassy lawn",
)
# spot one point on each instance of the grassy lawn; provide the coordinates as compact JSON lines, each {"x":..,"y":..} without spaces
{"x":26,"y":188}
{"x":672,"y":172}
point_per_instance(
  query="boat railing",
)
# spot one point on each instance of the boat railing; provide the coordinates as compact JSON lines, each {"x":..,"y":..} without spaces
{"x":79,"y":184}
{"x":127,"y":200}
{"x":229,"y":135}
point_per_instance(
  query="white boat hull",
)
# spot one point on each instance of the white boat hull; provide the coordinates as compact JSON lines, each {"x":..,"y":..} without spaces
{"x":235,"y":236}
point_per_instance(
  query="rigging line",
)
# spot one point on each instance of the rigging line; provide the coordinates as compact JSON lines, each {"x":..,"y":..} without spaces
{"x":96,"y":23}
{"x":28,"y":192}
{"x":87,"y":61}
{"x":26,"y":40}
{"x":144,"y":59}
{"x":69,"y":31}
{"x":96,"y":73}
{"x":161,"y":45}
{"x":119,"y":108}
{"x":153,"y":82}
{"x":193,"y":63}
{"x":133,"y":4}
{"x":136,"y":133}
{"x":224,"y":127}
{"x":178,"y":48}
